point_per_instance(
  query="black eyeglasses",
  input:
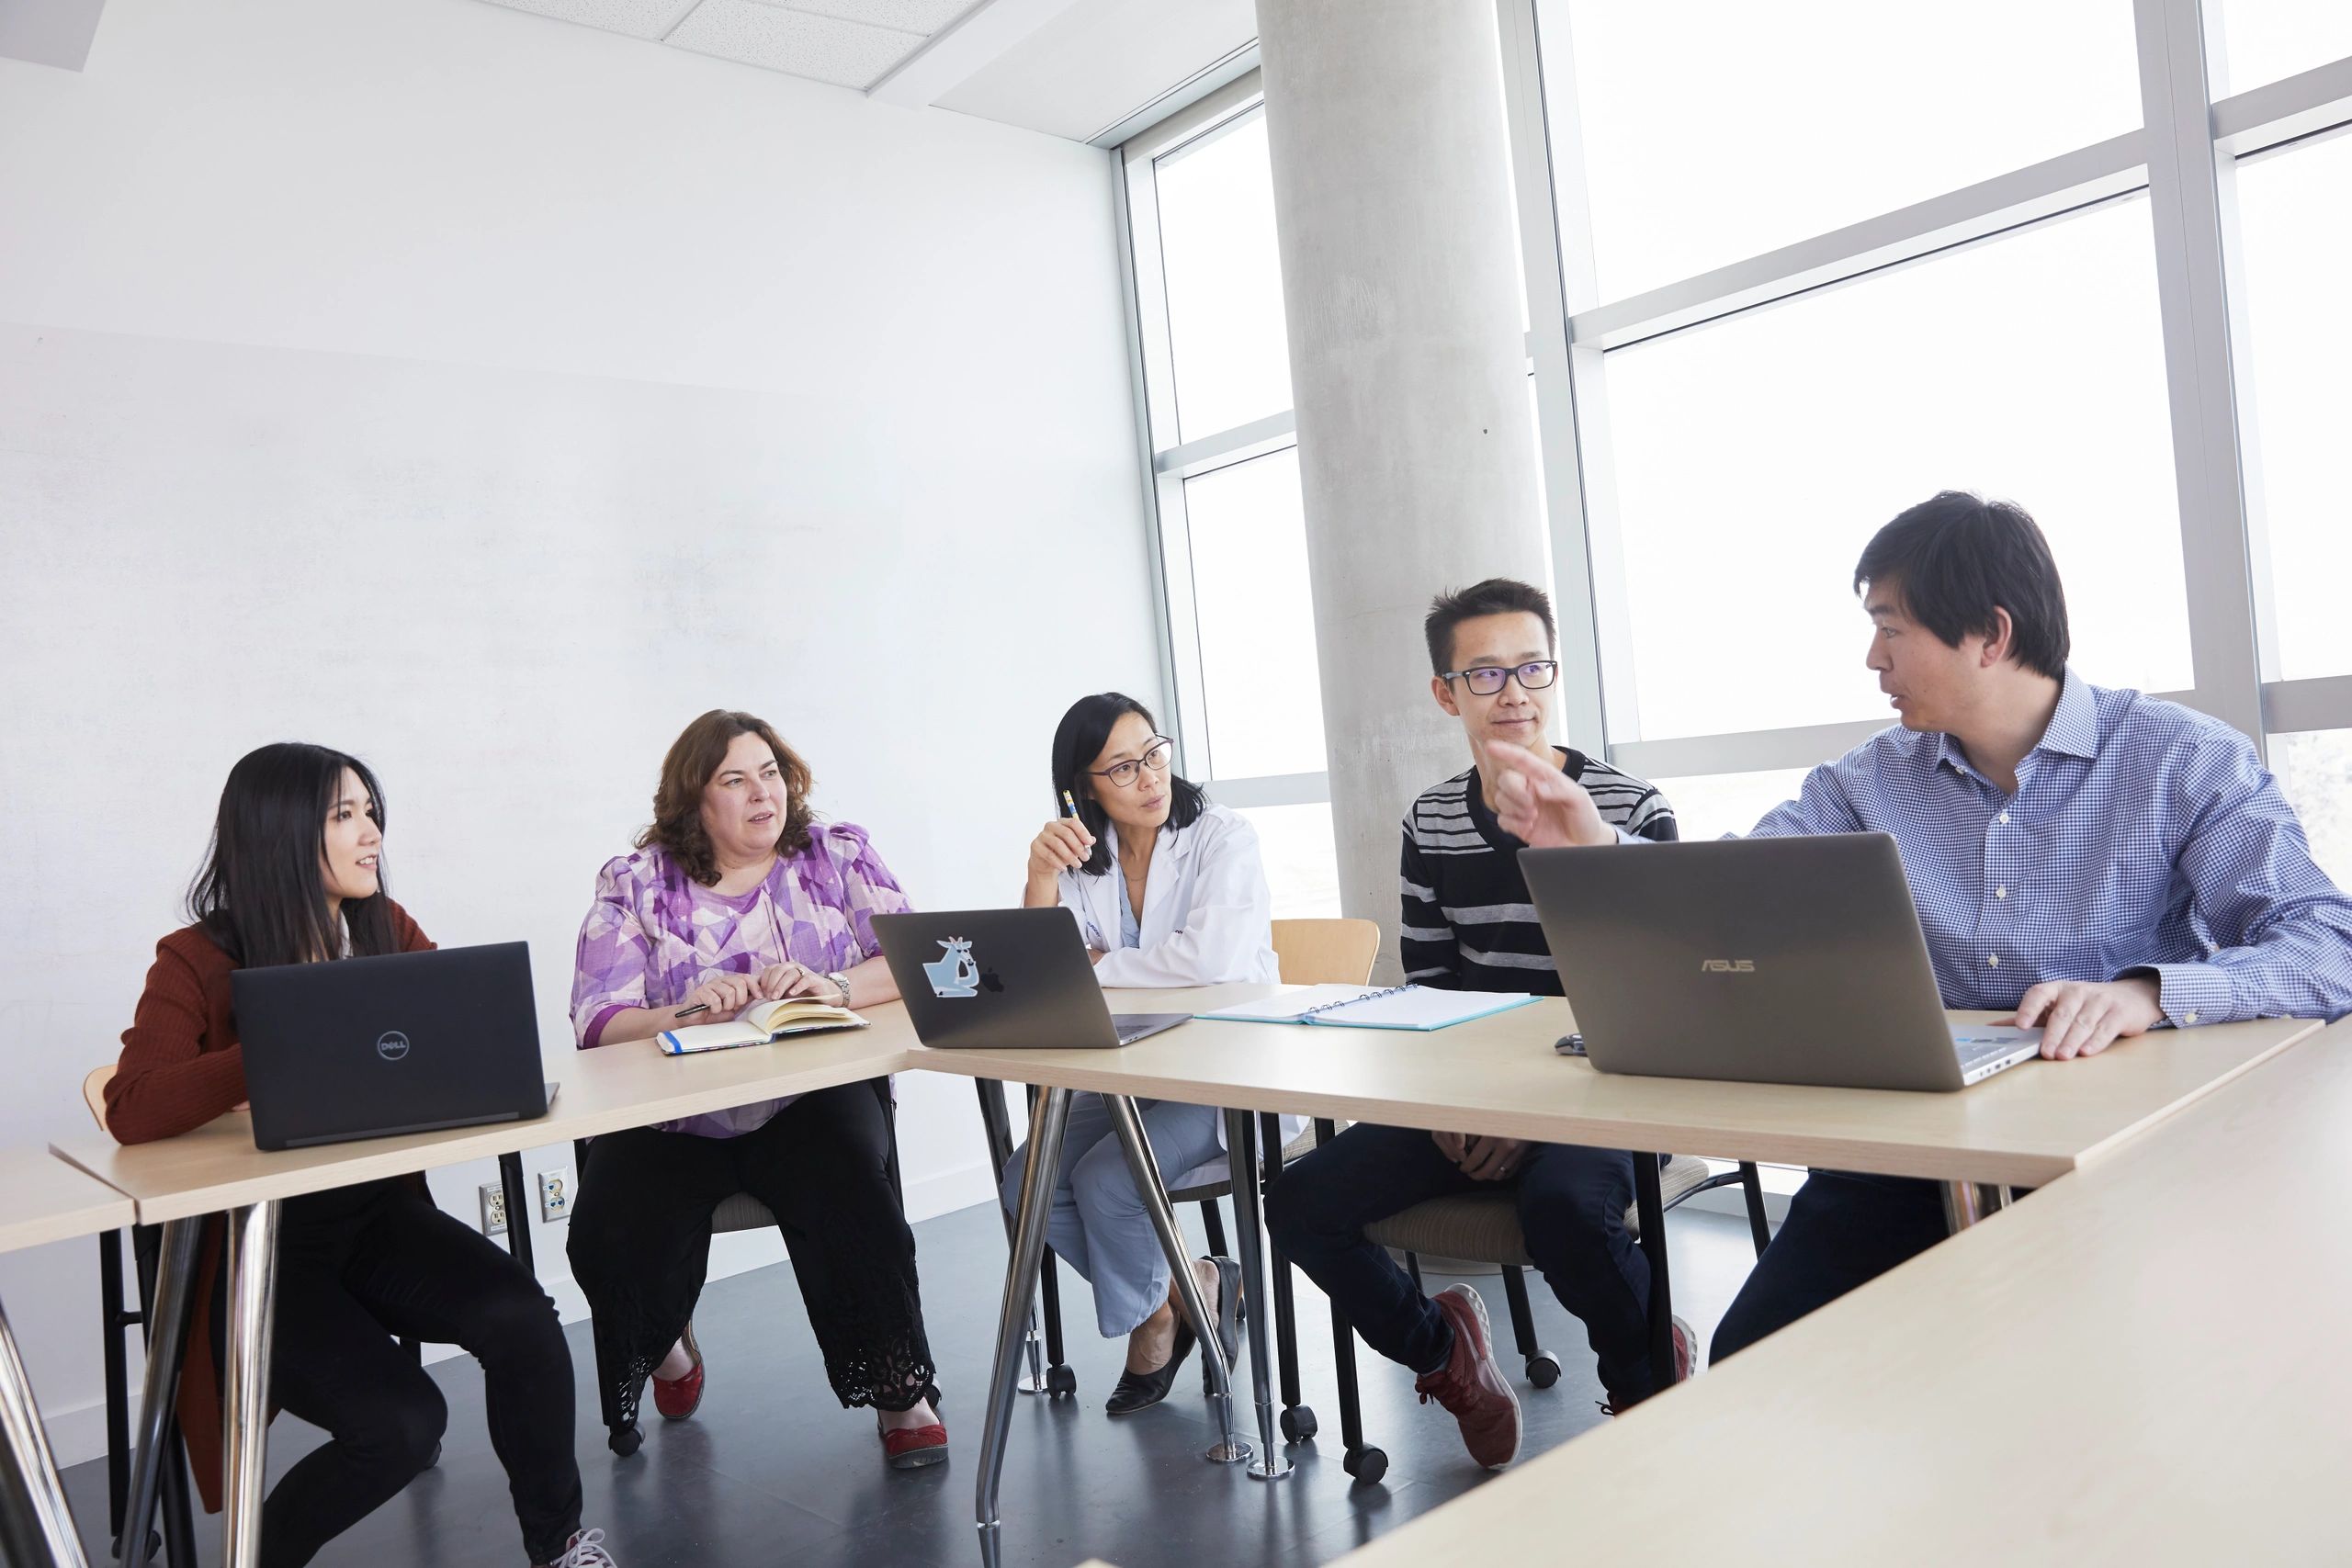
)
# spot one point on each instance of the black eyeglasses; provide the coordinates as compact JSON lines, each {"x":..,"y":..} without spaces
{"x":1123,"y":774}
{"x":1487,"y":679}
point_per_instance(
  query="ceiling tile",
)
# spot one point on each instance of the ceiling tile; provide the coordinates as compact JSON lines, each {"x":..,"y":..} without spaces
{"x":638,"y":18}
{"x":924,"y":16}
{"x":826,"y":48}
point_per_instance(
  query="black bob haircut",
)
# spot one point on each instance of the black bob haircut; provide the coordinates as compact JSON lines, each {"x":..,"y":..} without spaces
{"x":260,"y":895}
{"x":1078,"y":739}
{"x":1956,"y":557}
{"x":1496,"y":596}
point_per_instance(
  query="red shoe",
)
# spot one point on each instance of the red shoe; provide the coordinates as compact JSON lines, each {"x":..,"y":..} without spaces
{"x":912,"y":1448}
{"x":1470,"y":1386}
{"x":1686,"y":1357}
{"x":677,"y":1398}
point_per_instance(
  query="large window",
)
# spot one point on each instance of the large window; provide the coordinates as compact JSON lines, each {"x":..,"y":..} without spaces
{"x":1714,"y":129}
{"x":1808,"y":262}
{"x":1248,"y":702}
{"x":1818,"y":260}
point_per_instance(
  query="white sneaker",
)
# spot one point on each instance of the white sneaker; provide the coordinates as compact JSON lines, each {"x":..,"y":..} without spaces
{"x":586,"y":1551}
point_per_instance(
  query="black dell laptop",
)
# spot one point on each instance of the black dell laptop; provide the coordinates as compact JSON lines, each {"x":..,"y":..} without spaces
{"x":1004,"y":979}
{"x":406,"y":1043}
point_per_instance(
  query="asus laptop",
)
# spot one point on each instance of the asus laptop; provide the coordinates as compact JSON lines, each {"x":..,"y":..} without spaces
{"x":1004,"y":979}
{"x":1791,"y":961}
{"x":406,"y":1043}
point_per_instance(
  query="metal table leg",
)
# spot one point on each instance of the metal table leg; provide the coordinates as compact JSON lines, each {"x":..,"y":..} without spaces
{"x":1241,"y":1157}
{"x":997,"y":1129}
{"x":1650,"y":1207}
{"x":245,"y":1403}
{"x":1968,"y":1202}
{"x":36,"y":1525}
{"x":1045,"y":1125}
{"x":1144,"y":1171}
{"x":167,"y":1320}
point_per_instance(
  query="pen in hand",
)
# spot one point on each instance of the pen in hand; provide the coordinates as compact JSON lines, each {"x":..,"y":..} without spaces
{"x":1070,"y":804}
{"x":689,"y":1013}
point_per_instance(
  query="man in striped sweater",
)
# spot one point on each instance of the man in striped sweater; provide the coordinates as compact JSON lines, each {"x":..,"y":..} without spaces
{"x":1469,"y":925}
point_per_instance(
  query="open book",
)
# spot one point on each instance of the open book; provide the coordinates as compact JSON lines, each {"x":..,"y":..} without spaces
{"x":762,"y":1025}
{"x":1364,"y":1007}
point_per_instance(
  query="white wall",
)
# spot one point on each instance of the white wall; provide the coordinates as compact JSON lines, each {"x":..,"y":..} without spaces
{"x":489,"y":396}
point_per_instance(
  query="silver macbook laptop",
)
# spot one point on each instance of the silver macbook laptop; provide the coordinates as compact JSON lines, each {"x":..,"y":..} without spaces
{"x":1004,"y":979}
{"x":1795,"y":961}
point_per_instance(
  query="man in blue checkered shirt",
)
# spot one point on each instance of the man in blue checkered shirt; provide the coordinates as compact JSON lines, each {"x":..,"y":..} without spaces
{"x":2104,"y":862}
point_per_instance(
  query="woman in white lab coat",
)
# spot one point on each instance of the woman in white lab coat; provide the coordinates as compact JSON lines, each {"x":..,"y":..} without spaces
{"x":1168,"y":891}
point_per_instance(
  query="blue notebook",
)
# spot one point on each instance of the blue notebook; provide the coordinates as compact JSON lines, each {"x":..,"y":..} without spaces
{"x":1420,"y":1008}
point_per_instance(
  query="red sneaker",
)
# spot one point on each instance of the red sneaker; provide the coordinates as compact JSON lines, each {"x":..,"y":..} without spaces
{"x":677,"y":1398}
{"x":1470,"y":1386}
{"x":1686,"y":1357}
{"x":912,"y":1448}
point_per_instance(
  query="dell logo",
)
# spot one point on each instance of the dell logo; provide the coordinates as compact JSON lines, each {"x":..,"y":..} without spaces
{"x":392,"y":1045}
{"x":1727,"y":966}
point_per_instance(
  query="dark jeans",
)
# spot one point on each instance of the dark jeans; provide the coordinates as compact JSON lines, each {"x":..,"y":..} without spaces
{"x":357,"y":1271}
{"x":1842,"y":1231}
{"x":641,"y":1241}
{"x":1572,"y":1205}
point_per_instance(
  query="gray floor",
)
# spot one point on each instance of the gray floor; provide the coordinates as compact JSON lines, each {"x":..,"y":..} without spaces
{"x":771,"y":1470}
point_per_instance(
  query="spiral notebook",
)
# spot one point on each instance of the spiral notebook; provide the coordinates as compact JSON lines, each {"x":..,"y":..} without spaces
{"x":1364,"y":1007}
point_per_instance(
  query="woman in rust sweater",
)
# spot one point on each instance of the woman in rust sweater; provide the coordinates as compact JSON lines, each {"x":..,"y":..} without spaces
{"x":294,"y":877}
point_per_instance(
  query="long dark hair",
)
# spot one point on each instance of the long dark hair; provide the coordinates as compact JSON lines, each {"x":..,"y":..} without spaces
{"x":260,"y":895}
{"x":1078,"y":739}
{"x":692,"y":763}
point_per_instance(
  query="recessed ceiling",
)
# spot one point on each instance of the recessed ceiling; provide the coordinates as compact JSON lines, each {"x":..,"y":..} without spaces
{"x":847,"y":43}
{"x":1071,"y":68}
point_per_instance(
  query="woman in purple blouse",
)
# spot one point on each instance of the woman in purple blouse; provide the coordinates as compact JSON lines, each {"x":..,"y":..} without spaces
{"x":736,"y":895}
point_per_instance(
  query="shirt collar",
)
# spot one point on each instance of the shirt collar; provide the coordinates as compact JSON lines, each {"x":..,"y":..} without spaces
{"x":2072,"y":732}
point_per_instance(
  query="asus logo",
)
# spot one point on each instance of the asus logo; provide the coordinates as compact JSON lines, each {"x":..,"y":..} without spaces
{"x":1727,"y":966}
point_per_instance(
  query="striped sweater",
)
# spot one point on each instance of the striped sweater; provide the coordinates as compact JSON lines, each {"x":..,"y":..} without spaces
{"x":1467,"y":922}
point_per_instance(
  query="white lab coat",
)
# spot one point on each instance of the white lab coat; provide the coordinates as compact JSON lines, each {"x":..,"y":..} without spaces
{"x":1207,"y":916}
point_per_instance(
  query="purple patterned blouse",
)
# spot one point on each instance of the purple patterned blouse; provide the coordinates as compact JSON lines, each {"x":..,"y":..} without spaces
{"x":654,"y":934}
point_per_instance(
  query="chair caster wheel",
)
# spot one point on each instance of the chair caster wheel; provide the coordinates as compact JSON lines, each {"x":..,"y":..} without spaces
{"x":624,"y":1440}
{"x":1367,"y":1465}
{"x":1060,"y":1379}
{"x":1298,"y":1424}
{"x":1544,"y":1369}
{"x":435,"y":1462}
{"x":154,"y":1545}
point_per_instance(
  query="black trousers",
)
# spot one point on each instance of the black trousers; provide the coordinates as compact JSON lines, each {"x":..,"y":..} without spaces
{"x":1843,"y":1229}
{"x":356,"y":1270}
{"x":1571,"y":1209}
{"x":641,"y":1242}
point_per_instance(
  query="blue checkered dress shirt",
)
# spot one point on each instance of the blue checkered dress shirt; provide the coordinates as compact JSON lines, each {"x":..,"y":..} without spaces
{"x":2142,"y":836}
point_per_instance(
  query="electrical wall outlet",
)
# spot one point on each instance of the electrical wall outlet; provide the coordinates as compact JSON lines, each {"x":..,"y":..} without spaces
{"x":493,"y":1209}
{"x":555,"y":1195}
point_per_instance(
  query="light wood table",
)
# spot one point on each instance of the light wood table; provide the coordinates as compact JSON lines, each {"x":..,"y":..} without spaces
{"x":177,"y":1182}
{"x":41,"y":1200}
{"x":2137,"y":1367}
{"x":1500,"y":1075}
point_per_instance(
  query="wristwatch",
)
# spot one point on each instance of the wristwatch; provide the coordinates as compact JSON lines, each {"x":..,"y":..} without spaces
{"x":840,"y":984}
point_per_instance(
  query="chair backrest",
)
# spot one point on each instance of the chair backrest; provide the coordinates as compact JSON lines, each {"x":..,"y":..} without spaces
{"x":1326,"y":952}
{"x":93,"y":1092}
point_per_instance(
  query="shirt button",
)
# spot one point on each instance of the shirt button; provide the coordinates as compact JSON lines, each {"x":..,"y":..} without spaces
{"x":2189,"y":1018}
{"x":2005,"y":815}
{"x":1993,"y":959}
{"x":2000,"y":893}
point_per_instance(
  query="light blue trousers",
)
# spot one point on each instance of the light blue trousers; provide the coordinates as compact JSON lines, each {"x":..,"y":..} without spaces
{"x":1098,"y":1226}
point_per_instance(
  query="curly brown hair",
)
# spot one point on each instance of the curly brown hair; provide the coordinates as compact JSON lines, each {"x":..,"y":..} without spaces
{"x":693,"y":762}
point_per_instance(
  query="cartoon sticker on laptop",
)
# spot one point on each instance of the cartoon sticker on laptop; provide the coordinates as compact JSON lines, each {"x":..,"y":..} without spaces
{"x":954,"y":973}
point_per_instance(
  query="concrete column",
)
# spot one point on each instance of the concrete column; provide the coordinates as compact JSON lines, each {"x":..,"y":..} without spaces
{"x":1394,"y":208}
